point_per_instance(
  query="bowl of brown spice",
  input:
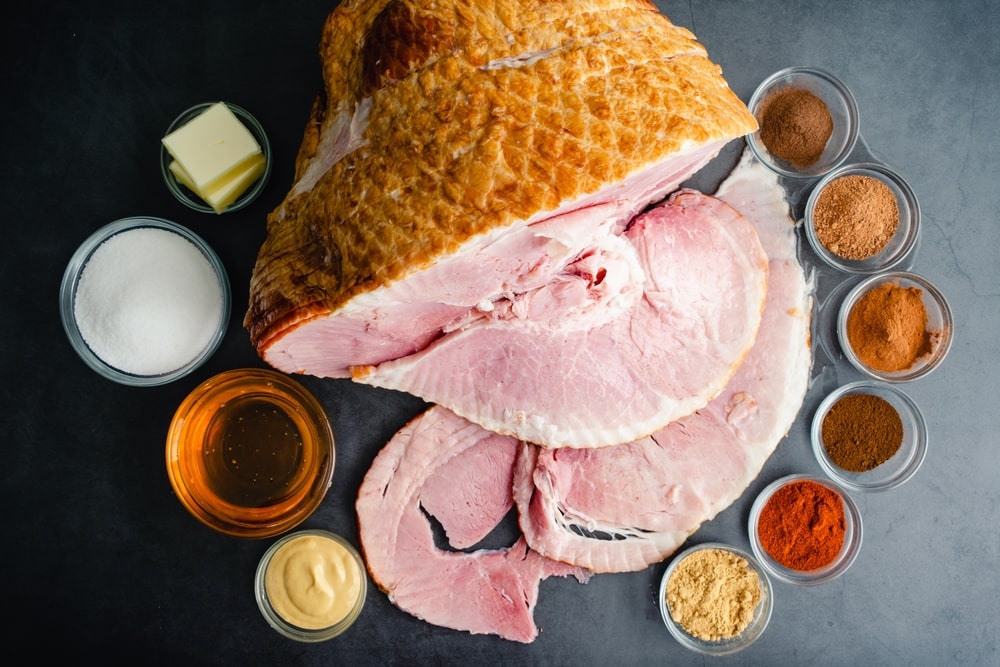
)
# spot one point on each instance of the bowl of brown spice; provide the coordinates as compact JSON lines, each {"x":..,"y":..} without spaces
{"x":805,"y":530}
{"x":869,"y":436}
{"x":863,"y":218}
{"x":895,"y":326}
{"x":715,"y":599}
{"x":808,"y":122}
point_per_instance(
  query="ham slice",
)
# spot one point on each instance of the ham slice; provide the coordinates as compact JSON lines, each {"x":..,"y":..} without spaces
{"x":442,"y":465}
{"x":468,"y":162}
{"x":640,"y":332}
{"x":622,"y":508}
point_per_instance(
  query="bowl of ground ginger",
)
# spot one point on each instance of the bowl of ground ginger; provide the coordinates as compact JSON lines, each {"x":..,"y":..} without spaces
{"x":715,"y":599}
{"x":869,"y":436}
{"x":808,"y":122}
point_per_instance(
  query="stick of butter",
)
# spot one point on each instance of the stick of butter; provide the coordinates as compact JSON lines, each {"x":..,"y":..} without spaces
{"x":215,"y":156}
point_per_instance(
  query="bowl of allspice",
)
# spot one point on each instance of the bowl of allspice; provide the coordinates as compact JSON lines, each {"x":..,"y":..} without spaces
{"x":869,"y":436}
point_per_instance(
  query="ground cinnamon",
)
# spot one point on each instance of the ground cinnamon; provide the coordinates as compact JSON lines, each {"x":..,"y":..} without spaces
{"x":855,"y":216}
{"x":887,"y":328}
{"x":802,"y":525}
{"x":860,"y":432}
{"x":795,"y":125}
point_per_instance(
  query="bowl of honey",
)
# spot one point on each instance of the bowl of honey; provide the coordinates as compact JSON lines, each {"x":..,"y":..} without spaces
{"x":250,"y":453}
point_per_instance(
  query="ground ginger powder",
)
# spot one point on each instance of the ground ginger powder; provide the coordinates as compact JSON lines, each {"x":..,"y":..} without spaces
{"x":713,"y":594}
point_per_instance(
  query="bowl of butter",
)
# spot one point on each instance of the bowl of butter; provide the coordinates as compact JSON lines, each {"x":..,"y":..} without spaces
{"x":215,"y":158}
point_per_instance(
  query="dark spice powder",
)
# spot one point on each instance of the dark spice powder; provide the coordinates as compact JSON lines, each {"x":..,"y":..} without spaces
{"x":860,"y":432}
{"x":795,"y":126}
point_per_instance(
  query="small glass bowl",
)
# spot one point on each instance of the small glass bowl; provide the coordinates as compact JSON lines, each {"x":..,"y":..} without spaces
{"x":192,"y":200}
{"x":939,"y":321}
{"x":903,"y":464}
{"x":843,"y":109}
{"x":267,"y":604}
{"x":834,"y":569}
{"x":71,"y":282}
{"x":250,"y":453}
{"x":903,"y":242}
{"x":750,"y":634}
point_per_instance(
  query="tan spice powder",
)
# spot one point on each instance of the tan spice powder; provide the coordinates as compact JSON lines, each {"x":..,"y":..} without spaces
{"x":713,"y":594}
{"x":855,"y":216}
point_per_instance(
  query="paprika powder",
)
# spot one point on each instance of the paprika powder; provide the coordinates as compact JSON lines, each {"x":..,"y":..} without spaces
{"x":802,"y":525}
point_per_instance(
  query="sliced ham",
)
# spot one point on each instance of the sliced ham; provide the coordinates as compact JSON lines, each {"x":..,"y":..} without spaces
{"x":468,"y":162}
{"x":443,"y":466}
{"x":622,"y":508}
{"x":639,"y":333}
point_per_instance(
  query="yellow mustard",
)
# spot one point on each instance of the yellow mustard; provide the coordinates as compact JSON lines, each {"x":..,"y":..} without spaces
{"x":313,"y":582}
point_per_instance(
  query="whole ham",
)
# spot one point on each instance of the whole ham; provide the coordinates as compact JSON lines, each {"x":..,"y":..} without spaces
{"x":461,"y":221}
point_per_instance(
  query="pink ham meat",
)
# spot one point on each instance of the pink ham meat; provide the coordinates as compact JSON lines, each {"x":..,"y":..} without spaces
{"x":621,"y":508}
{"x":445,"y":466}
{"x":639,"y":330}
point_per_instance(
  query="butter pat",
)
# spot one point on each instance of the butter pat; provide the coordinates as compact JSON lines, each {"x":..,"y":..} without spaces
{"x":230,"y":188}
{"x":215,"y":156}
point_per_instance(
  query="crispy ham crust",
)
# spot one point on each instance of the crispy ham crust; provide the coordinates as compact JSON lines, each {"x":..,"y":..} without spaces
{"x":441,"y":122}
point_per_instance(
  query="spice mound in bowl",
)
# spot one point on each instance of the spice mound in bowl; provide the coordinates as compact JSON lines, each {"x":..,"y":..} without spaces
{"x":863,"y":218}
{"x":805,"y":530}
{"x":250,"y":453}
{"x":895,"y":326}
{"x":715,"y":599}
{"x":808,"y":122}
{"x":144,"y":301}
{"x":869,"y":436}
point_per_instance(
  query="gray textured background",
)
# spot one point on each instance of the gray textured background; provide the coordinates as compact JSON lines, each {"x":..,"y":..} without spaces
{"x":102,"y":560}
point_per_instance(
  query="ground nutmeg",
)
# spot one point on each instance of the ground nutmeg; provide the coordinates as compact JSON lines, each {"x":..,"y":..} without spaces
{"x":795,"y":125}
{"x":855,"y":216}
{"x":860,"y":432}
{"x":802,"y":525}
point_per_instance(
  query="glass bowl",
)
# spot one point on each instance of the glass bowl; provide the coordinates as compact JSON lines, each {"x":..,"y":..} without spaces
{"x":939,"y":324}
{"x":902,"y":243}
{"x":250,"y":453}
{"x":192,"y":200}
{"x":830,"y":571}
{"x":114,"y":278}
{"x":894,"y":471}
{"x":843,"y":109}
{"x":321,"y":612}
{"x":750,"y":634}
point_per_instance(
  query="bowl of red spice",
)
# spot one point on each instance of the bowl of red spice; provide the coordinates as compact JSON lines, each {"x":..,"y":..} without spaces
{"x":863,"y":218}
{"x":895,"y":326}
{"x":715,"y":598}
{"x":808,"y":122}
{"x":869,"y":436}
{"x":805,"y":530}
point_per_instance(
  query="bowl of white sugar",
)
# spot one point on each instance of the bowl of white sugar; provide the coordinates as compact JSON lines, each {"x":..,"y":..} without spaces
{"x":144,"y":301}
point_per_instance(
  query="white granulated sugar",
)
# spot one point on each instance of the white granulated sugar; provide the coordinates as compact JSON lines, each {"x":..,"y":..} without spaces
{"x":148,"y":301}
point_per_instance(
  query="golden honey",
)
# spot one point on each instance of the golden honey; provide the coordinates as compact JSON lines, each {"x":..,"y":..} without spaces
{"x":250,"y":453}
